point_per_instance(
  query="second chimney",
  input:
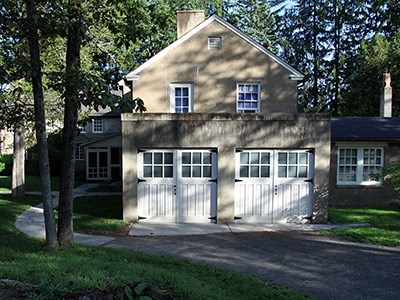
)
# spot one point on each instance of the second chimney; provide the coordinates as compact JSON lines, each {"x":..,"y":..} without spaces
{"x":187,"y":20}
{"x":386,"y":97}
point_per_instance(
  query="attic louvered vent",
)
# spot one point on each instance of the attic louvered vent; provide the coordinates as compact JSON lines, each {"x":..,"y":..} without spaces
{"x":214,"y":43}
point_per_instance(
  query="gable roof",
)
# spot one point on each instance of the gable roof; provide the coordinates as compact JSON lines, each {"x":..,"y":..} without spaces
{"x":365,"y":129}
{"x":133,"y":75}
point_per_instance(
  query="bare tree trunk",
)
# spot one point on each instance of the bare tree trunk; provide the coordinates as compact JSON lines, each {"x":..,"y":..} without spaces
{"x":18,"y":170}
{"x":40,"y":125}
{"x":65,"y":212}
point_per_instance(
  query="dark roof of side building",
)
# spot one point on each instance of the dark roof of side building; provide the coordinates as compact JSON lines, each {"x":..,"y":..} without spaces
{"x":365,"y":129}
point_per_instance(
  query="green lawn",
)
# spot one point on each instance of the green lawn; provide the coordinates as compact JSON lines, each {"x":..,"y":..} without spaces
{"x":60,"y":273}
{"x":32,"y":183}
{"x":384,"y":220}
{"x":99,"y":215}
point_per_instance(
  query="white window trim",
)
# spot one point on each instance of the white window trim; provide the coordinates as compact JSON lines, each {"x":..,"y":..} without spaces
{"x":248,"y":110}
{"x":78,"y":151}
{"x":214,"y":43}
{"x":172,"y":95}
{"x":359,"y":168}
{"x":93,"y":125}
{"x":82,"y":128}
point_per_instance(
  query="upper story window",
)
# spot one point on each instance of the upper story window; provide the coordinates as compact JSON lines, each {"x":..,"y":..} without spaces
{"x":181,"y":97}
{"x":214,"y":43}
{"x":356,"y":165}
{"x":248,"y":98}
{"x":82,"y":128}
{"x":97,"y":125}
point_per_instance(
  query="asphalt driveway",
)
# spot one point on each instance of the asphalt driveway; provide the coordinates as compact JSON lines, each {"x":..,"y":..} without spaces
{"x":304,"y":261}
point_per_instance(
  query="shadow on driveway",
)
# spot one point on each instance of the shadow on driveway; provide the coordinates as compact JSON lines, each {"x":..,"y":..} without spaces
{"x":303,"y":261}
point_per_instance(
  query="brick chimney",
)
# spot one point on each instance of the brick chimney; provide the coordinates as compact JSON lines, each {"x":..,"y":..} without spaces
{"x":187,"y":20}
{"x":386,"y":97}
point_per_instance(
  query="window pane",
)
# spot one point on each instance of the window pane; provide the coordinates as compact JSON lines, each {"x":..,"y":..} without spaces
{"x":185,"y":101}
{"x":157,"y":171}
{"x":282,"y":158}
{"x":244,"y":171}
{"x":207,"y":172}
{"x":293,"y":158}
{"x":255,"y":158}
{"x":265,"y":172}
{"x":186,"y":158}
{"x":147,"y":172}
{"x":168,"y":172}
{"x":254,"y":171}
{"x":197,"y":157}
{"x":168,"y":158}
{"x":303,"y":172}
{"x":147,"y":158}
{"x":206,"y":158}
{"x":265,"y":158}
{"x":282,"y":172}
{"x":292,"y":172}
{"x":178,"y":92}
{"x":244,"y":158}
{"x":186,"y":171}
{"x":158,"y":158}
{"x":185,"y":92}
{"x":303,"y":158}
{"x":196,"y":171}
{"x":178,"y":102}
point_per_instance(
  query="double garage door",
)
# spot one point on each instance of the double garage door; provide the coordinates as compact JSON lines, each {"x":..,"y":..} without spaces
{"x":181,"y":185}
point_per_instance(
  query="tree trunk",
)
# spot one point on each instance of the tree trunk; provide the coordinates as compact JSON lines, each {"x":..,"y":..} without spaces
{"x":40,"y":125}
{"x":65,"y":212}
{"x":18,"y":170}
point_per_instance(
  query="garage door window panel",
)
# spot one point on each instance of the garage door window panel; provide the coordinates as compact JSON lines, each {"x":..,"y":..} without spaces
{"x":292,"y":165}
{"x":196,"y":165}
{"x":254,"y":165}
{"x":158,"y":165}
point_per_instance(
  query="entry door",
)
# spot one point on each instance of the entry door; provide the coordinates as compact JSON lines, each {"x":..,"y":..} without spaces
{"x":273,"y":185}
{"x":177,"y":185}
{"x":97,"y":164}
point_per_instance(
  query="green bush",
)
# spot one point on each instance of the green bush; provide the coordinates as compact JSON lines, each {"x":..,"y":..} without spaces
{"x":5,"y":164}
{"x":391,"y":175}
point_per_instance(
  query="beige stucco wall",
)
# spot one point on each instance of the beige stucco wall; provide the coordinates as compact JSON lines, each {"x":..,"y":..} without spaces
{"x":226,"y":132}
{"x":362,"y":194}
{"x":214,"y":74}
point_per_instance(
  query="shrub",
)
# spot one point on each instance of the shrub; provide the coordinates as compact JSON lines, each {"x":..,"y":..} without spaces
{"x":6,"y":164}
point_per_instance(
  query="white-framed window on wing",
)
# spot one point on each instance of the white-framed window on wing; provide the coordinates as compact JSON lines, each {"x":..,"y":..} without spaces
{"x":82,"y":128}
{"x":181,"y":97}
{"x":357,"y":165}
{"x":97,"y":125}
{"x":79,"y":152}
{"x":248,"y":97}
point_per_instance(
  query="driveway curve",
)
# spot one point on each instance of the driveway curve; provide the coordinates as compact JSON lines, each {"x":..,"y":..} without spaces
{"x":304,"y":261}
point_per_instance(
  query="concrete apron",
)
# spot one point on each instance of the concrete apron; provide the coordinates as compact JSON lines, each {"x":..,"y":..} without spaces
{"x":165,"y":229}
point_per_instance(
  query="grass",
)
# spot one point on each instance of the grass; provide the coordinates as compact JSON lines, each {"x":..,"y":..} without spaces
{"x":58,"y":273}
{"x":384,"y":221}
{"x":99,"y":215}
{"x":32,"y":183}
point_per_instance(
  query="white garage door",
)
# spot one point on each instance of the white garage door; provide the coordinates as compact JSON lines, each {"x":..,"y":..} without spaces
{"x":177,"y":185}
{"x":273,"y":185}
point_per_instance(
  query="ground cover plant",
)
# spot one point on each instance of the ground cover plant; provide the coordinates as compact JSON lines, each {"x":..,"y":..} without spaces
{"x":384,"y":223}
{"x":85,"y":270}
